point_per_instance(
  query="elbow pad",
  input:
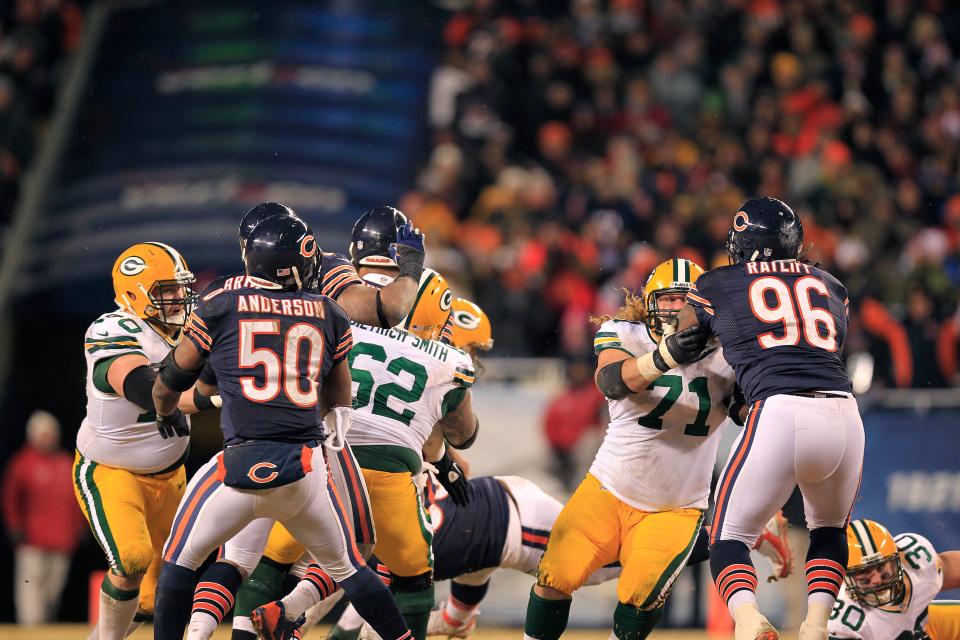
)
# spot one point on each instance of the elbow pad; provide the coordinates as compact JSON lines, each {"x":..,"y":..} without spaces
{"x":174,"y":376}
{"x":610,"y":381}
{"x":466,"y":444}
{"x":138,"y":386}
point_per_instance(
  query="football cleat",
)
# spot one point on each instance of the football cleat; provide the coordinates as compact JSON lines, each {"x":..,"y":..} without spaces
{"x":441,"y":624}
{"x":752,"y":625}
{"x":271,"y":623}
{"x":774,"y":545}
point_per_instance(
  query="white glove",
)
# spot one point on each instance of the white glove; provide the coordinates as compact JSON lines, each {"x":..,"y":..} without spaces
{"x":337,"y":423}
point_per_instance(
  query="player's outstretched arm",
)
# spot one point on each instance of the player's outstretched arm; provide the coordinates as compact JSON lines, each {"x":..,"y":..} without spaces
{"x":460,"y":426}
{"x":179,"y":371}
{"x":394,"y":301}
{"x":950,"y":565}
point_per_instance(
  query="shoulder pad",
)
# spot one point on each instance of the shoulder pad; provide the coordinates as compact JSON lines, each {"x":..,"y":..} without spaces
{"x":112,"y":334}
{"x":608,"y":337}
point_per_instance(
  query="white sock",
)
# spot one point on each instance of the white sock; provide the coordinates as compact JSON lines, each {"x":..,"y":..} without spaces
{"x":201,"y":627}
{"x":242,"y":623}
{"x":458,"y":612}
{"x":350,"y":619}
{"x":303,"y":596}
{"x":741,"y":598}
{"x":115,"y":616}
{"x":316,"y":613}
{"x":817,"y":612}
{"x":95,"y":632}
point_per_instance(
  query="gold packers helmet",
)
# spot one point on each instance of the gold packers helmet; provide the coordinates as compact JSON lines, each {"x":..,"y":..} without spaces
{"x":151,"y":280}
{"x":874,"y":572}
{"x":675,"y":276}
{"x":431,"y":308}
{"x":471,"y":326}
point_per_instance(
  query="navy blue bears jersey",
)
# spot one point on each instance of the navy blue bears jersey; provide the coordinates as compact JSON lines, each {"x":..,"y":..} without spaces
{"x":336,"y":275}
{"x":270,"y":350}
{"x":781,"y":325}
{"x":470,"y":538}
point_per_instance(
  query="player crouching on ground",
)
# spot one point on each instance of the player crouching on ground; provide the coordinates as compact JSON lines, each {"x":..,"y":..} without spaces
{"x":890,"y":585}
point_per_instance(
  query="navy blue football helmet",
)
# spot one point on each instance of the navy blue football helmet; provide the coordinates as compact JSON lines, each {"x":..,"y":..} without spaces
{"x":258,"y":214}
{"x":282,"y":249}
{"x":373,"y":237}
{"x":764,"y":229}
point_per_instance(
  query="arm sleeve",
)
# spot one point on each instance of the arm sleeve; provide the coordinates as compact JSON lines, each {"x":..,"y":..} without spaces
{"x":699,"y":298}
{"x":337,"y":274}
{"x":338,"y":333}
{"x":201,"y":326}
{"x":608,"y":338}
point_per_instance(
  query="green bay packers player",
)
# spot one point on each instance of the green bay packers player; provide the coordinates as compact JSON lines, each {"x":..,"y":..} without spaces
{"x":890,"y":585}
{"x":129,"y":477}
{"x":643,"y":499}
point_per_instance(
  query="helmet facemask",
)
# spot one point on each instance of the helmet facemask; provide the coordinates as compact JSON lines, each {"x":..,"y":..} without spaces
{"x":658,"y":318}
{"x":171,"y":301}
{"x":862,"y":586}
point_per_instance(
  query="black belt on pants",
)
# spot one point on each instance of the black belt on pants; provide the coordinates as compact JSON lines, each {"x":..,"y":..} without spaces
{"x":817,"y":394}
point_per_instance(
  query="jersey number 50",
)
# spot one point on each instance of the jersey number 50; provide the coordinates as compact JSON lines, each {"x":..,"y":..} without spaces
{"x":275,"y":369}
{"x":819,"y":326}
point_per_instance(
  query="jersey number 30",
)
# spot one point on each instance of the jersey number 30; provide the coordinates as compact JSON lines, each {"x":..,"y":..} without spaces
{"x":819,"y":327}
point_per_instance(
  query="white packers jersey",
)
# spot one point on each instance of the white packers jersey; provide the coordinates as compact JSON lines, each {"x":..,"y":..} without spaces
{"x":905,"y":621}
{"x":402,"y":385}
{"x":116,"y":432}
{"x":661,"y":444}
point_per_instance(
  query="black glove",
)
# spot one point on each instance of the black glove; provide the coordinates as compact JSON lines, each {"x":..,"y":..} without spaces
{"x":453,"y":479}
{"x":174,"y":424}
{"x":688,"y":344}
{"x":410,"y":252}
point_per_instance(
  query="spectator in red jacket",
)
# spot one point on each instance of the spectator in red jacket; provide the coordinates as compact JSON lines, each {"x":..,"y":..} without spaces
{"x":571,"y":413}
{"x":42,"y":518}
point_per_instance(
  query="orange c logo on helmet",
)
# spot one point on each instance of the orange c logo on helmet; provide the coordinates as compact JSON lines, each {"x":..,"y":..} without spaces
{"x":253,"y":475}
{"x":308,"y":247}
{"x":740,"y":221}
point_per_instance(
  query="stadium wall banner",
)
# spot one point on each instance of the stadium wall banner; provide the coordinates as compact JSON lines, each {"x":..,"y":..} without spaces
{"x":197,"y":111}
{"x":911,"y":474}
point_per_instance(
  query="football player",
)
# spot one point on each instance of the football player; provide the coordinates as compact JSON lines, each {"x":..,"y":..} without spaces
{"x":642,"y":502}
{"x":890,"y":585}
{"x":279,"y":357}
{"x":781,"y":322}
{"x":406,"y":383}
{"x":129,"y":476}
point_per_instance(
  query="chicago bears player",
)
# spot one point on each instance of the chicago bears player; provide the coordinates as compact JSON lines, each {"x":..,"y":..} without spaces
{"x":279,"y":357}
{"x":642,"y":502}
{"x":405,"y":385}
{"x":890,"y":585}
{"x":400,"y":244}
{"x":128,"y":476}
{"x":781,"y":323}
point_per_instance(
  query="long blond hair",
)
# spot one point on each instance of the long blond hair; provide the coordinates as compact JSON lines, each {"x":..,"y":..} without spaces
{"x":634,"y":309}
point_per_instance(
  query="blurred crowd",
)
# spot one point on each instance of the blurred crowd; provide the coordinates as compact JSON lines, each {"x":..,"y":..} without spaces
{"x":35,"y":35}
{"x":575,"y":146}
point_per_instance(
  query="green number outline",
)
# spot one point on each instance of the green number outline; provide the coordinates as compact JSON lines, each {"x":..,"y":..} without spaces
{"x":383,"y":393}
{"x":913,"y":550}
{"x":674,"y":385}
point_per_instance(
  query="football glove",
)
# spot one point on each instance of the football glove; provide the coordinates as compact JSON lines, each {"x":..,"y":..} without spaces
{"x":453,"y":479}
{"x":687,"y":345}
{"x":173,"y":425}
{"x":410,"y":252}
